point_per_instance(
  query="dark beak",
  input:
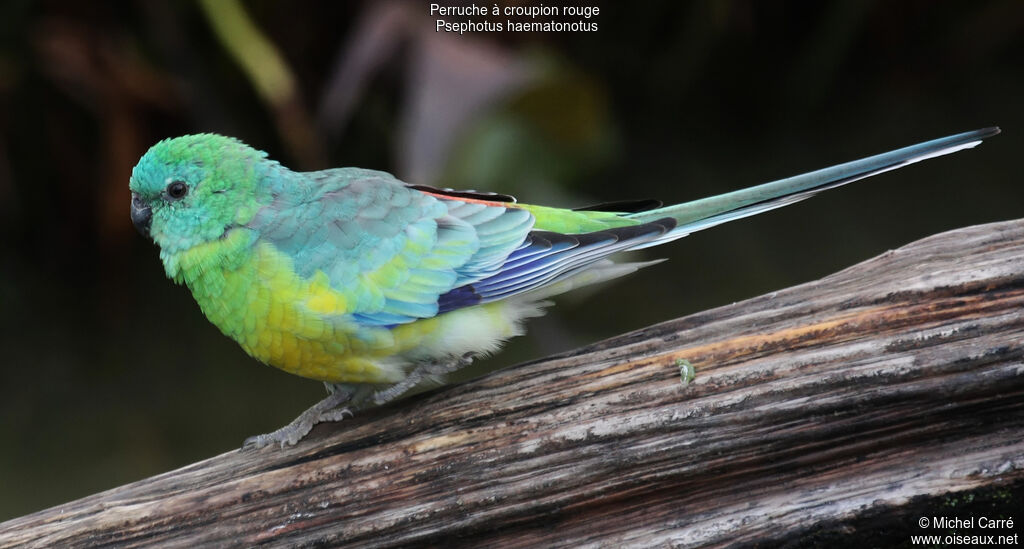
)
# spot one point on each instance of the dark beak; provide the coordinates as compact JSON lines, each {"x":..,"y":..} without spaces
{"x":142,"y":215}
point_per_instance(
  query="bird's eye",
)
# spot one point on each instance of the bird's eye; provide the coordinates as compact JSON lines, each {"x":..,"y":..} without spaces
{"x":177,"y":189}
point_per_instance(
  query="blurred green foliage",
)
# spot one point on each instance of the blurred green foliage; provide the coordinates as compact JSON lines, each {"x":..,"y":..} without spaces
{"x":110,"y":372}
{"x":552,"y":134}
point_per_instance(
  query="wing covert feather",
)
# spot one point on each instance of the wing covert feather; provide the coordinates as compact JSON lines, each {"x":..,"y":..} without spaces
{"x":390,"y":249}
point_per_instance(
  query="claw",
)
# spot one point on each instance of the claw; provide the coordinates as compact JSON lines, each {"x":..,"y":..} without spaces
{"x":289,"y":435}
{"x":335,"y":415}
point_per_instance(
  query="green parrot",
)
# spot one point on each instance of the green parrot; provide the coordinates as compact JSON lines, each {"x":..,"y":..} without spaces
{"x":376,"y":286}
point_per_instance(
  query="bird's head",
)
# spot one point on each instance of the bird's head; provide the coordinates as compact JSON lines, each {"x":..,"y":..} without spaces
{"x":190,"y":190}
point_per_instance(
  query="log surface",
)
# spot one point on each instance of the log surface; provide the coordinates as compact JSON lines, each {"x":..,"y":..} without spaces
{"x":898,"y":377}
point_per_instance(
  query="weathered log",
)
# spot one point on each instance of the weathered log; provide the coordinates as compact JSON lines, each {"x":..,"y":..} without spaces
{"x":898,"y":377}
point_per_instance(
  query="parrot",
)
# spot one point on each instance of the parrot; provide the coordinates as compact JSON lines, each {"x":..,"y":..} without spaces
{"x":378,"y":287}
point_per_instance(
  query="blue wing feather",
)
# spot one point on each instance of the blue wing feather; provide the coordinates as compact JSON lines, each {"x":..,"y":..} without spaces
{"x":351,"y":223}
{"x":546,"y":256}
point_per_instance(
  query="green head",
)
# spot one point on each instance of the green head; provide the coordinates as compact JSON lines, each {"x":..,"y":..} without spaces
{"x":192,"y":189}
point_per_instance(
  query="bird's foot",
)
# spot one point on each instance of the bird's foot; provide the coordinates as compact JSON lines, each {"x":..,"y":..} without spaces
{"x":398,"y":389}
{"x":323,"y":411}
{"x":426,"y":368}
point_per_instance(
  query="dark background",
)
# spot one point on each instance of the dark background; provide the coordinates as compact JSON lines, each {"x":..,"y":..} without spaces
{"x":110,"y":373}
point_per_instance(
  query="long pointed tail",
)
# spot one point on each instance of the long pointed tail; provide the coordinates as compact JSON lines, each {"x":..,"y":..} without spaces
{"x":708,"y":212}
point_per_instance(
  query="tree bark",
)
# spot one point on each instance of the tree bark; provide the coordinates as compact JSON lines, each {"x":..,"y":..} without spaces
{"x":899,"y":377}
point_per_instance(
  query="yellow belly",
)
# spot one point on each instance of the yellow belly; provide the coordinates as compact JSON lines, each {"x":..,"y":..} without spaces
{"x":304,"y":326}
